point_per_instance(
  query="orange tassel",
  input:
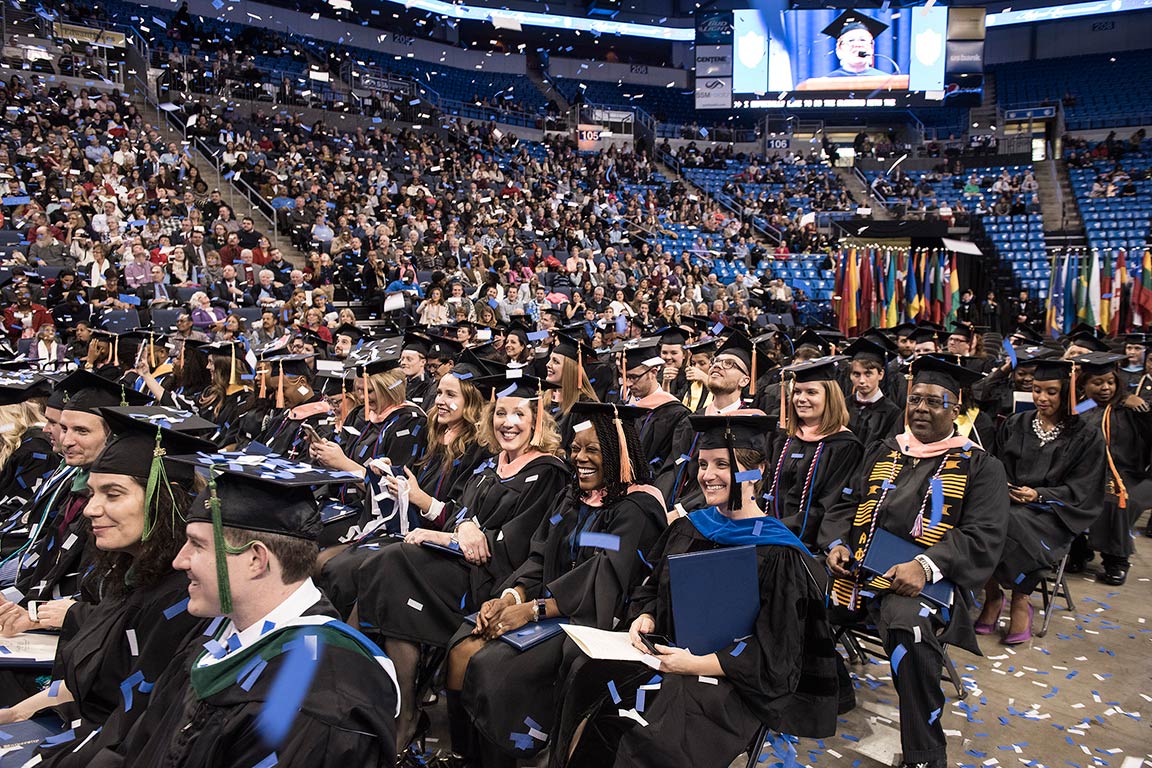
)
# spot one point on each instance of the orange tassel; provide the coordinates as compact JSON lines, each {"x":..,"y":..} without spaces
{"x":538,"y":427}
{"x":116,"y":350}
{"x":1072,"y":391}
{"x":280,"y":388}
{"x":784,"y":402}
{"x":151,"y":350}
{"x":626,"y":475}
{"x":344,"y":405}
{"x":752,"y":385}
{"x":364,"y":383}
{"x":263,"y":383}
{"x":234,"y":378}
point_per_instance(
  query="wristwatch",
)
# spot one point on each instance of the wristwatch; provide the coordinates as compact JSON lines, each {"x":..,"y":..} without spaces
{"x":539,"y":609}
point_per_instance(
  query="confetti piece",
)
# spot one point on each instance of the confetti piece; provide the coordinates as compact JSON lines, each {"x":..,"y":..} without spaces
{"x":897,"y":656}
{"x":287,"y":692}
{"x":613,"y":692}
{"x":608,"y":541}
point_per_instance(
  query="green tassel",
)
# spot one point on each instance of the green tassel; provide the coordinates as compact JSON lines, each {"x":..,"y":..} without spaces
{"x":123,"y":397}
{"x":157,"y":482}
{"x":221,"y":549}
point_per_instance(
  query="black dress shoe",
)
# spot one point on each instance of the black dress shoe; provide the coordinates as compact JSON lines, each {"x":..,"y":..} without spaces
{"x":1115,"y":573}
{"x":1075,"y":565}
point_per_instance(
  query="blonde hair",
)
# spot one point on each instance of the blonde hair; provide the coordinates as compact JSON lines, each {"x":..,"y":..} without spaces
{"x":15,"y":420}
{"x":470,"y":423}
{"x":835,"y":415}
{"x":573,"y":383}
{"x":547,"y":441}
{"x":391,"y":388}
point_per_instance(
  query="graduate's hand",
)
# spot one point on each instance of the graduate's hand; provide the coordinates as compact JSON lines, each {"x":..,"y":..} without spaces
{"x":838,"y":559}
{"x":907,"y":578}
{"x":487,"y":613}
{"x":692,"y":373}
{"x":473,"y":543}
{"x":510,"y":619}
{"x":643,"y":625}
{"x":14,"y":619}
{"x":416,"y":494}
{"x":677,"y":661}
{"x":420,"y":535}
{"x":1022,"y":494}
{"x":51,"y":613}
{"x":1136,"y":403}
{"x":331,"y":455}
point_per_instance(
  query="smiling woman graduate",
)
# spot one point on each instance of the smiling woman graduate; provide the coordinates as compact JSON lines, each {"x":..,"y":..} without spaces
{"x":702,"y":710}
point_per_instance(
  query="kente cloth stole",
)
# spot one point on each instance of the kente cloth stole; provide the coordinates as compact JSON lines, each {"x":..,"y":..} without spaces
{"x":952,"y":472}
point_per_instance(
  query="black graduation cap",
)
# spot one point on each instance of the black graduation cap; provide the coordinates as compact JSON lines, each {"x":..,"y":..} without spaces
{"x":814,"y":340}
{"x":609,"y":410}
{"x":934,"y":369}
{"x":704,"y":347}
{"x":556,"y":313}
{"x":291,"y":365}
{"x":253,"y":492}
{"x":88,"y":392}
{"x":515,"y":383}
{"x":441,"y":348}
{"x":1098,"y":363}
{"x":380,"y":359}
{"x":317,"y":341}
{"x":880,"y":339}
{"x":866,"y":349}
{"x":19,"y":388}
{"x":926,"y":333}
{"x":671,"y":334}
{"x":521,"y":331}
{"x":1028,"y":332}
{"x":1053,"y":369}
{"x":469,"y":366}
{"x":733,"y":432}
{"x":962,"y":330}
{"x":852,"y":20}
{"x":1029,"y":357}
{"x":577,"y":349}
{"x":698,"y":323}
{"x":638,"y":352}
{"x":1084,"y":328}
{"x":1087,"y":340}
{"x":902,"y":330}
{"x":351,"y":331}
{"x":141,"y":442}
{"x":1137,"y":338}
{"x":817,"y":369}
{"x":165,"y":417}
{"x":334,"y":383}
{"x":417,"y":342}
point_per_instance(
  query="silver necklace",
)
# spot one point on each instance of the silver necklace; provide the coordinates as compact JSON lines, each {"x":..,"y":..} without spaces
{"x":1045,"y":435}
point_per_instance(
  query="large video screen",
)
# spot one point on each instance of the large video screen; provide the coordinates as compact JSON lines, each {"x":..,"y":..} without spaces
{"x":839,"y":57}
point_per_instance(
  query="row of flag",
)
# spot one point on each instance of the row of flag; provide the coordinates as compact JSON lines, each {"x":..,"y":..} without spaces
{"x":1096,"y":288}
{"x":882,"y":287}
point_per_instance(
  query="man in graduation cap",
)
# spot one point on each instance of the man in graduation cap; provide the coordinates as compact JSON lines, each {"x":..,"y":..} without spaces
{"x":421,"y":387}
{"x":944,"y":497}
{"x":871,"y":415}
{"x":666,"y":416}
{"x":281,"y":681}
{"x":299,"y":413}
{"x":855,"y":35}
{"x":672,"y":341}
{"x":345,"y":340}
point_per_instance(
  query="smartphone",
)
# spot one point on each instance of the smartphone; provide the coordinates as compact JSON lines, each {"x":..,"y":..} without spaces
{"x":651,"y":640}
{"x":311,"y":432}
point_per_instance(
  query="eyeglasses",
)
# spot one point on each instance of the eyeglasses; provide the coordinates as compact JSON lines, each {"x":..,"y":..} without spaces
{"x":934,"y":403}
{"x":727,"y":364}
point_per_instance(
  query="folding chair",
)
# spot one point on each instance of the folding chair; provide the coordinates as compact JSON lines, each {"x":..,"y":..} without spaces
{"x":861,"y":640}
{"x":1052,"y":588}
{"x":756,"y":747}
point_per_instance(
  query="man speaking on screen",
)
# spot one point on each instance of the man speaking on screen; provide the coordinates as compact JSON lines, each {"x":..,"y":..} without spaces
{"x":855,"y":36}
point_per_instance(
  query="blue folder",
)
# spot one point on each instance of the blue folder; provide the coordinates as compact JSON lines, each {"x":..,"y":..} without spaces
{"x":715,"y":597}
{"x":888,"y":549}
{"x":27,"y":735}
{"x":453,"y":550}
{"x":532,"y":633}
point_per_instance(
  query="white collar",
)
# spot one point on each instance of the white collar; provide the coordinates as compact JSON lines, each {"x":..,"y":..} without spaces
{"x":879,"y":393}
{"x":305,"y":596}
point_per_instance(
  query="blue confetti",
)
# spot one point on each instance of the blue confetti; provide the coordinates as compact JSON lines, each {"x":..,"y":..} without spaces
{"x":748,"y":476}
{"x":272,"y":759}
{"x":54,"y":689}
{"x":288,"y":691}
{"x":600,"y":540}
{"x":640,"y":700}
{"x":937,"y":502}
{"x":268,"y":627}
{"x":932,"y":718}
{"x":897,"y":656}
{"x":613,"y":692}
{"x":556,"y":518}
{"x":173,"y":611}
{"x":739,"y":649}
{"x":1085,"y":405}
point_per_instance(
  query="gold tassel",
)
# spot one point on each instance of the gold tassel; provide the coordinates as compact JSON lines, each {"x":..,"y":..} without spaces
{"x":752,"y":383}
{"x":908,"y":389}
{"x":263,"y":383}
{"x":280,"y":388}
{"x":784,"y":402}
{"x":344,"y":405}
{"x":538,"y":426}
{"x":364,"y":385}
{"x":626,"y":475}
{"x":1072,"y":391}
{"x":116,"y":350}
{"x":151,"y":350}
{"x":624,"y":377}
{"x":234,"y":378}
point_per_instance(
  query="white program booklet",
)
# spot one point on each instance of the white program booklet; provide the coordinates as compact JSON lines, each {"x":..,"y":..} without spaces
{"x":601,"y":644}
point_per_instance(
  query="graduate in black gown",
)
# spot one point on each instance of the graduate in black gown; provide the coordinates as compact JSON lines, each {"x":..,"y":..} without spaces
{"x":420,"y":386}
{"x":961,"y":533}
{"x":585,"y":560}
{"x":226,"y":397}
{"x":816,"y":454}
{"x":413,"y":595}
{"x":702,"y":710}
{"x":183,"y":386}
{"x":697,"y":361}
{"x":280,"y":681}
{"x":301,"y":412}
{"x":1055,"y":466}
{"x":872,"y":416}
{"x":454,"y":452}
{"x":27,"y":455}
{"x":1127,"y":435}
{"x":139,"y":621}
{"x":665,"y":416}
{"x":566,"y":372}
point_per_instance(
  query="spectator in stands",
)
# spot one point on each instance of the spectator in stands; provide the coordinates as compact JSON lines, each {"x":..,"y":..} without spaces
{"x":24,"y":317}
{"x":266,"y":293}
{"x":156,"y":293}
{"x":206,"y":318}
{"x":49,"y":251}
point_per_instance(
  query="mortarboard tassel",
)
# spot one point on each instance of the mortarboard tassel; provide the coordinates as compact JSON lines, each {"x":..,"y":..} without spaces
{"x":735,"y":491}
{"x":364,"y":385}
{"x":220,"y":546}
{"x":234,"y":377}
{"x":344,"y":404}
{"x":538,"y":425}
{"x":752,"y":376}
{"x":908,"y":388}
{"x":626,"y":474}
{"x":1072,"y":390}
{"x":263,"y":383}
{"x":116,"y":351}
{"x":280,"y":388}
{"x":123,"y":396}
{"x":624,"y":378}
{"x":157,"y":480}
{"x":151,"y":350}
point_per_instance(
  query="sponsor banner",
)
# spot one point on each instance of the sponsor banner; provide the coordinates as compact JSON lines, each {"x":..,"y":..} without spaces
{"x":88,"y":34}
{"x":713,"y":93}
{"x":713,"y":60}
{"x":714,"y":28}
{"x":929,"y":32}
{"x":965,"y":57}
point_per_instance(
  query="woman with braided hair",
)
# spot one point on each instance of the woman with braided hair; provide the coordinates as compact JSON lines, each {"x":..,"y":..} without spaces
{"x":136,"y":510}
{"x":585,"y":560}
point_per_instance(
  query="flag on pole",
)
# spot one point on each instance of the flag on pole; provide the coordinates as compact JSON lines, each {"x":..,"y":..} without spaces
{"x":1054,"y":324}
{"x":892,"y":311}
{"x":1093,"y":290}
{"x":912,"y":294}
{"x":953,"y":300}
{"x":1106,"y":293}
{"x":1142,"y":293}
{"x":1119,"y":285}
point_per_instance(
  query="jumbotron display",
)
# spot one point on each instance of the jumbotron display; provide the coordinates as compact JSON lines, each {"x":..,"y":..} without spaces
{"x":771,"y":57}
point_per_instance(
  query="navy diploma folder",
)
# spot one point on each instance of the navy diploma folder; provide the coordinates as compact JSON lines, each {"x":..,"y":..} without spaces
{"x":888,"y":549}
{"x":530,"y":634}
{"x":715,"y":597}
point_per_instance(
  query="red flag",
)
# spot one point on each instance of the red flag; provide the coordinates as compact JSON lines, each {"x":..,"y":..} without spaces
{"x":867,"y":290}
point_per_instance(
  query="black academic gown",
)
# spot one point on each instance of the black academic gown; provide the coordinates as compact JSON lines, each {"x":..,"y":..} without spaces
{"x":226,"y":417}
{"x":340,"y":578}
{"x":658,"y":431}
{"x":345,"y":719}
{"x":1068,"y":473}
{"x":287,"y":437}
{"x":591,"y":585}
{"x":26,"y":468}
{"x":782,"y":675}
{"x":418,"y":594}
{"x":871,"y":422}
{"x":96,"y":657}
{"x":26,"y":520}
{"x":786,"y":479}
{"x":421,"y":391}
{"x":63,"y":553}
{"x":398,"y":437}
{"x":1129,"y":443}
{"x":966,"y":555}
